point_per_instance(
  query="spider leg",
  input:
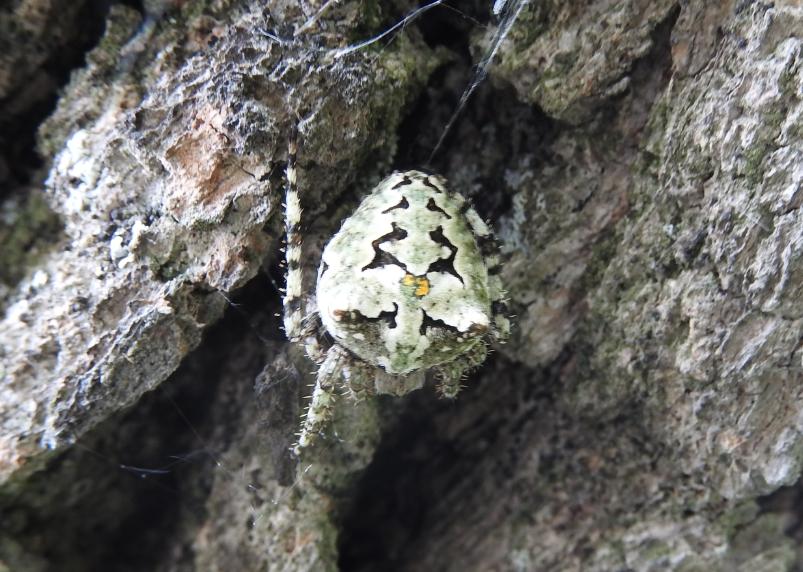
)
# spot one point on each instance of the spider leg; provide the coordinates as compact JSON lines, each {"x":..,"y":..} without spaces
{"x":489,"y":249}
{"x":451,"y":374}
{"x":360,"y":380}
{"x":314,"y":344}
{"x":321,"y":406}
{"x":294,"y":323}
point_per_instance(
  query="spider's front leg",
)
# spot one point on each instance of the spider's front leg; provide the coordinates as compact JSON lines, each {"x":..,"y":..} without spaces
{"x":321,"y":407}
{"x":293,"y":302}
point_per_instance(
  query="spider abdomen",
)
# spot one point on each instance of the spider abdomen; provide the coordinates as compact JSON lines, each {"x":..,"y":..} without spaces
{"x":404,"y":283}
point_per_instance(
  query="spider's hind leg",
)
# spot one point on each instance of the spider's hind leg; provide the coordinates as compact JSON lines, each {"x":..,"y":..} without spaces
{"x":450,"y":375}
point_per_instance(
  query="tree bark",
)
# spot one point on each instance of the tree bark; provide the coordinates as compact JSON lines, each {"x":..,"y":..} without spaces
{"x":640,"y":161}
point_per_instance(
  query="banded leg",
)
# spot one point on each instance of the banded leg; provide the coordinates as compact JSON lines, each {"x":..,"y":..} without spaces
{"x":314,"y":345}
{"x":322,"y":402}
{"x":293,"y":302}
{"x":451,"y":374}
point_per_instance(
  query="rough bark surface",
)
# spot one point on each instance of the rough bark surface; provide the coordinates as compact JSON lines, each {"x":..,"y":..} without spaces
{"x":641,"y":162}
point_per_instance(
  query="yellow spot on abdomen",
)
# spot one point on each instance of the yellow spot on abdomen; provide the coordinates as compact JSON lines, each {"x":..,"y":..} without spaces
{"x":420,"y":283}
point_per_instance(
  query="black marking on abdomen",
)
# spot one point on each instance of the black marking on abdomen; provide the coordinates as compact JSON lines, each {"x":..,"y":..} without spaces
{"x":382,"y":257}
{"x":388,"y":316}
{"x":405,"y":181}
{"x":445,"y":265}
{"x":433,"y":206}
{"x":403,"y":204}
{"x":429,"y":184}
{"x":429,"y":322}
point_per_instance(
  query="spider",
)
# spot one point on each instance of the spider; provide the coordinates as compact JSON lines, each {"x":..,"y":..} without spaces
{"x":409,"y":284}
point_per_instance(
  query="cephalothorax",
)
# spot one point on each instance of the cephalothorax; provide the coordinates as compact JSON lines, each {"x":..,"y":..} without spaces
{"x":409,"y":284}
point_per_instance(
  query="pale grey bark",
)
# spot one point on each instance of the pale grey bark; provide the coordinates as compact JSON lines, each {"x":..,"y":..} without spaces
{"x":641,"y":162}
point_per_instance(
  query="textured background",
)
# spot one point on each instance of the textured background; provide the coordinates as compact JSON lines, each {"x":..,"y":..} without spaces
{"x":642,"y":164}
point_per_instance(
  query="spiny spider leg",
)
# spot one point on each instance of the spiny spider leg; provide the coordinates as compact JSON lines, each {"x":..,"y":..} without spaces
{"x":322,"y":401}
{"x":451,"y":374}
